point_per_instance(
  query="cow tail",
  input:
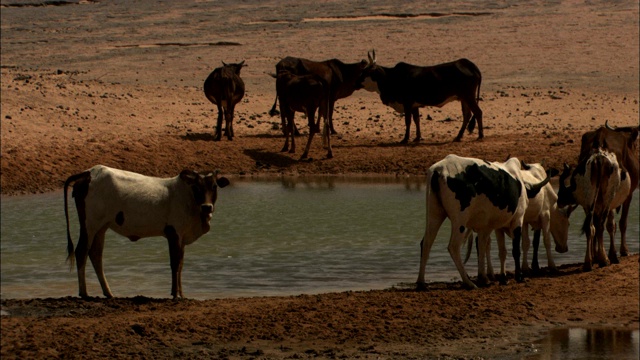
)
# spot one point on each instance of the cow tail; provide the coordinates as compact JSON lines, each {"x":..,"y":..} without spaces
{"x":469,"y":246}
{"x":273,"y":111}
{"x":70,"y":246}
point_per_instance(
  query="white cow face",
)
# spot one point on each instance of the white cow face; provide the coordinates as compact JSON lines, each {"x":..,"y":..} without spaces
{"x":205,"y":191}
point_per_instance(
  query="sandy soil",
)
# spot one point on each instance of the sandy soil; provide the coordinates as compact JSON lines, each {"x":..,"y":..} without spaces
{"x":121,"y":84}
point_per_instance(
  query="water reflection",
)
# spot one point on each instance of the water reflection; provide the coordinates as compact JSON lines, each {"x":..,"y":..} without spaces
{"x":589,"y":343}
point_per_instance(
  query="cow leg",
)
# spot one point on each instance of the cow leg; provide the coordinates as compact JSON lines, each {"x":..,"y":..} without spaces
{"x":466,"y":115}
{"x":502,"y":255}
{"x":80,"y":190}
{"x":95,"y":254}
{"x":416,"y":120}
{"x":515,"y":251}
{"x":218,"y":134}
{"x":624,"y":216}
{"x":82,"y":250}
{"x":229,"y":121}
{"x":611,"y":229}
{"x":525,"y":249}
{"x":176,"y":254}
{"x":327,"y":134}
{"x":603,"y":259}
{"x":435,"y":218}
{"x":589,"y":232}
{"x":310,"y":116}
{"x":286,"y":129}
{"x":490,"y":273}
{"x":535,"y":265}
{"x":477,"y":112}
{"x":331,"y":107}
{"x":484,"y":240}
{"x":455,"y":243}
{"x":407,"y":124}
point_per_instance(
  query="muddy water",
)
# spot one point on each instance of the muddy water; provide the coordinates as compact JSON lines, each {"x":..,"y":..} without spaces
{"x":589,"y":343}
{"x":267,"y":238}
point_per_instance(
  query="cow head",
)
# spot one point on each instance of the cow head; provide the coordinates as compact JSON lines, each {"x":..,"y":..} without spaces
{"x":566,"y":187}
{"x":235,"y":67}
{"x":371,"y":74}
{"x":559,"y":227}
{"x":204,"y":189}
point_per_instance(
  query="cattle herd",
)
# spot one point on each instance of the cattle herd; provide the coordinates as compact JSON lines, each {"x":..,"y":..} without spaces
{"x":477,"y":196}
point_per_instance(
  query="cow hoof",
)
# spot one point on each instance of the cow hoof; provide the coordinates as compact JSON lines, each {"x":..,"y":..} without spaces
{"x":471,"y":286}
{"x":420,"y":286}
{"x":624,"y":251}
{"x":503,"y":279}
{"x":614,"y":258}
{"x":284,"y":149}
{"x":483,"y":281}
{"x":417,"y":140}
{"x":329,"y":156}
{"x":586,"y":267}
{"x":457,"y":139}
{"x":404,"y":141}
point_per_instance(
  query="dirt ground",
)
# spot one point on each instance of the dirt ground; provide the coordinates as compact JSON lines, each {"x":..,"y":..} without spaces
{"x":120,"y":84}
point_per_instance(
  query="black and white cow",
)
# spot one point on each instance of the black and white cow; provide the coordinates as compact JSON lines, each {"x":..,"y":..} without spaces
{"x":542,"y":214}
{"x":600,"y":185}
{"x":545,"y":217}
{"x":138,"y":206}
{"x":476,"y":196}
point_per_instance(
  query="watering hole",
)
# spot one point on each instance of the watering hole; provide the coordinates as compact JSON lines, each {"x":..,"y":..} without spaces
{"x":589,"y":343}
{"x":276,"y":237}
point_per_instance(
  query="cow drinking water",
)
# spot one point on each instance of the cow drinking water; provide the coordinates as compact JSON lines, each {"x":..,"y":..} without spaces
{"x":138,"y":206}
{"x":478,"y":196}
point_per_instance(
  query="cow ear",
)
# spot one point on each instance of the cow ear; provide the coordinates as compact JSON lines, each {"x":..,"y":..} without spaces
{"x":222,"y":182}
{"x":189,"y":176}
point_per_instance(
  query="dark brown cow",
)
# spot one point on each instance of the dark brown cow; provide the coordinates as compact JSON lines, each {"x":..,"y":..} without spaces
{"x":342,"y":78}
{"x":224,"y":88}
{"x":306,"y":94}
{"x":406,"y":88}
{"x":623,"y":142}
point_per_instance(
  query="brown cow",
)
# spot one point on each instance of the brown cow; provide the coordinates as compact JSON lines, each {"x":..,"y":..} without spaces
{"x":224,"y":88}
{"x":623,"y":142}
{"x":306,"y":94}
{"x":342,"y":78}
{"x":406,"y":88}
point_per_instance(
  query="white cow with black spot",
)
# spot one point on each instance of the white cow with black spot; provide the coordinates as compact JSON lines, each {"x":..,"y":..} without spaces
{"x":479,"y":196}
{"x":138,"y":206}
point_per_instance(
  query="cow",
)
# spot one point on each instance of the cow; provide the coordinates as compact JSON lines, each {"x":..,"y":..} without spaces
{"x":138,"y":206}
{"x":599,"y":185}
{"x":543,"y":215}
{"x":341,"y":77}
{"x":306,"y":94}
{"x":224,"y":88}
{"x":623,"y":142}
{"x":477,"y":196}
{"x":406,"y":88}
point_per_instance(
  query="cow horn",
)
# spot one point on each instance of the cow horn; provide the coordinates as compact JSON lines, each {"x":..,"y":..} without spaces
{"x":372,"y":56}
{"x":534,"y":189}
{"x":224,"y":64}
{"x":241,"y":64}
{"x":606,"y":124}
{"x":524,"y":165}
